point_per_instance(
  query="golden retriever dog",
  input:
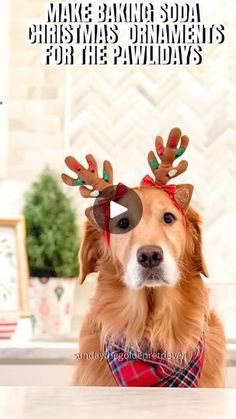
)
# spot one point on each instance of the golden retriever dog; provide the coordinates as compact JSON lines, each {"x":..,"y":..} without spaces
{"x":149,"y":290}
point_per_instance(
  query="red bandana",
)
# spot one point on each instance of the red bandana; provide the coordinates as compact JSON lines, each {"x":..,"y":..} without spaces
{"x":137,"y":369}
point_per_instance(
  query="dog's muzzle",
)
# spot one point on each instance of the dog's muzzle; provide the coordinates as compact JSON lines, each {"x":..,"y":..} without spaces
{"x":149,"y":259}
{"x":150,"y":256}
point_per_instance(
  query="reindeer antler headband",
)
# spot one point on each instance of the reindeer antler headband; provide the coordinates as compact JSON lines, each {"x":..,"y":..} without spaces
{"x":88,"y":176}
{"x":163,"y":171}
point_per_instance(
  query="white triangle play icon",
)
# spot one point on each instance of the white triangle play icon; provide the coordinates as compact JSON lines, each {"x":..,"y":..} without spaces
{"x":114,"y":203}
{"x":116,"y":209}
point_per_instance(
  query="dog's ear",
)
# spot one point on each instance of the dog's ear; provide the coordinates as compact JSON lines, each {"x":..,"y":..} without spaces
{"x":194,"y":242}
{"x":89,"y":251}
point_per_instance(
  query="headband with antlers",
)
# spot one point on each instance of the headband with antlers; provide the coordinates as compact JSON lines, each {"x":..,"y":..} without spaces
{"x":163,"y":171}
{"x":88,"y":176}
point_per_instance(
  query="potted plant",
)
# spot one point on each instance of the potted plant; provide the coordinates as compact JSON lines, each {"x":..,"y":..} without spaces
{"x":52,"y":245}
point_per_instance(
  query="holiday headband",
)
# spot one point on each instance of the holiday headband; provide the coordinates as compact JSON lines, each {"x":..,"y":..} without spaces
{"x":162,"y":169}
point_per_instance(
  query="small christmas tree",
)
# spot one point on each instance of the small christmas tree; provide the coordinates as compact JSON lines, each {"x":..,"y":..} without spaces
{"x":52,"y":239}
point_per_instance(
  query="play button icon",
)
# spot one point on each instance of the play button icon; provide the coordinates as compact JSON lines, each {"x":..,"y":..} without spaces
{"x":118,"y":209}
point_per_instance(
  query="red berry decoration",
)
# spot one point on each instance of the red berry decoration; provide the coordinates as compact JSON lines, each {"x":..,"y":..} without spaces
{"x":160,"y":150}
{"x":76,"y":166}
{"x":92,"y":167}
{"x":172,"y":142}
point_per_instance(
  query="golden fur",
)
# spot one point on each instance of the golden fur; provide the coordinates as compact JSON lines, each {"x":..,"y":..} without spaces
{"x":173,"y":318}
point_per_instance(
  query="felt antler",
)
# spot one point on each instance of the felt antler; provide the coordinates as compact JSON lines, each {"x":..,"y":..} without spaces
{"x":165,"y":170}
{"x":88,"y":176}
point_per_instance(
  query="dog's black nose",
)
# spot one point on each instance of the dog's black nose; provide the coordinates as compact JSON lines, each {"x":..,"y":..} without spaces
{"x":149,"y":256}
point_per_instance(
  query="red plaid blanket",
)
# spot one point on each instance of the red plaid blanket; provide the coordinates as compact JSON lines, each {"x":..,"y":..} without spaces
{"x":137,"y":369}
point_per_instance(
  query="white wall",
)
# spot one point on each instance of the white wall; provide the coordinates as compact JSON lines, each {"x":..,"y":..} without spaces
{"x":4,"y":48}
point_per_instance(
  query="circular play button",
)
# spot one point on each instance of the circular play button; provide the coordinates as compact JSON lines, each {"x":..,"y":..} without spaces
{"x":118,"y":209}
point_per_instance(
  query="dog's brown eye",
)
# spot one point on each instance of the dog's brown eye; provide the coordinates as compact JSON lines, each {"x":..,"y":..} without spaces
{"x":169,"y":218}
{"x":123,"y":223}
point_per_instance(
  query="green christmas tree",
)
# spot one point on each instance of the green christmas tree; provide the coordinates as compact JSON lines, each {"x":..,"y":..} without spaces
{"x":52,"y":238}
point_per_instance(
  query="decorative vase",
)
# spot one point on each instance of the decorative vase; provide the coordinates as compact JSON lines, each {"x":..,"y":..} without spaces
{"x":52,"y":304}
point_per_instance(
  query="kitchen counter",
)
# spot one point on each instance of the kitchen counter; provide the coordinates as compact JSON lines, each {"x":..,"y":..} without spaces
{"x":37,"y":352}
{"x":90,"y":402}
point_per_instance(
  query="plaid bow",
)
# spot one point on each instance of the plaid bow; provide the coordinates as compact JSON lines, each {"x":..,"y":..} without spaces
{"x":136,"y":369}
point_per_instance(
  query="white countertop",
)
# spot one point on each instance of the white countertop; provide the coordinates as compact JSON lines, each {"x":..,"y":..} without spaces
{"x":37,"y":351}
{"x":107,"y":403}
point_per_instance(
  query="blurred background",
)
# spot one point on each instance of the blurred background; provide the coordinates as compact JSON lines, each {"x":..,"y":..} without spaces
{"x":115,"y":113}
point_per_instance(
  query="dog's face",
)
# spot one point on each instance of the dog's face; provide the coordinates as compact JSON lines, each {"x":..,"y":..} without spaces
{"x":154,"y":252}
{"x":150,"y":253}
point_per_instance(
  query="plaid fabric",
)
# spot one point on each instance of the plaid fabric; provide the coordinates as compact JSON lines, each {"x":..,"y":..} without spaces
{"x":136,"y":369}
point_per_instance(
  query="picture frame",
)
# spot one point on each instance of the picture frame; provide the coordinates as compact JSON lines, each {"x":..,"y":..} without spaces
{"x":14,"y":271}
